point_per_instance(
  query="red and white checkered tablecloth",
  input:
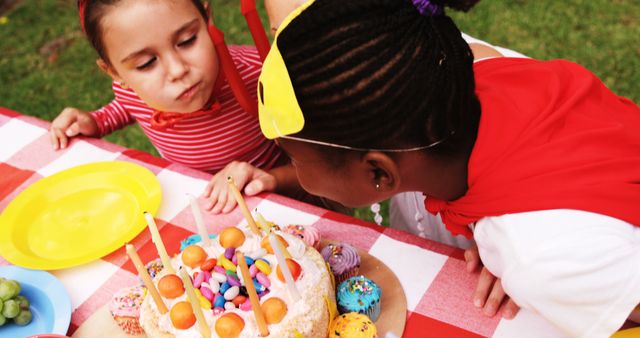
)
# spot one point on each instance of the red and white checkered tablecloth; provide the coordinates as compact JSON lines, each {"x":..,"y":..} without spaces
{"x":433,"y":276}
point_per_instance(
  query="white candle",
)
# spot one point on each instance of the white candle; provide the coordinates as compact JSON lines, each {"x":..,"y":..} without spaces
{"x":157,"y":240}
{"x":282,"y":262}
{"x":197,"y":216}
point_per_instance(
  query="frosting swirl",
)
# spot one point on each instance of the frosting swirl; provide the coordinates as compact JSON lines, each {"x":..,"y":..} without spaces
{"x":309,"y":234}
{"x":341,"y":257}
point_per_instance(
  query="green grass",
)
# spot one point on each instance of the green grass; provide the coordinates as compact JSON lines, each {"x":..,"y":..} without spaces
{"x":40,"y":78}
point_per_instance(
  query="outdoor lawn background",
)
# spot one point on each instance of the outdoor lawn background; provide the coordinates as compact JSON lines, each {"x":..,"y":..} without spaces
{"x":46,"y":64}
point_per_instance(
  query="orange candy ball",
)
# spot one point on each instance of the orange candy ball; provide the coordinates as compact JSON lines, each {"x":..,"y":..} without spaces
{"x":229,"y":325}
{"x":265,"y":244}
{"x":294,"y":267}
{"x":182,"y":316}
{"x":231,"y":238}
{"x":193,"y":255}
{"x":170,"y":286}
{"x":274,"y":310}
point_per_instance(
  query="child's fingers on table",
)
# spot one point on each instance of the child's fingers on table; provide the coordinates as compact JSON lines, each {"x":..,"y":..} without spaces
{"x":60,"y":138}
{"x":494,"y":300}
{"x":485,"y":283}
{"x":221,"y":201}
{"x":472,"y":257}
{"x":510,"y":309}
{"x":73,"y":130}
{"x":213,"y":195}
{"x":260,"y":184}
{"x":230,"y":205}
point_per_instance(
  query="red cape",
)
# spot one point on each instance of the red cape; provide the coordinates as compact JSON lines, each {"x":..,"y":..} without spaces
{"x":551,"y":136}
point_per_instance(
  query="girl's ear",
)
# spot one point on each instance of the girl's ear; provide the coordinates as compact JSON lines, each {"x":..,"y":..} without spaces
{"x":383,"y":171}
{"x":107,"y":69}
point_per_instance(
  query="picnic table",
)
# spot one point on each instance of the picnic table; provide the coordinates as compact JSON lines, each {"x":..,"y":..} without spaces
{"x":437,"y":288}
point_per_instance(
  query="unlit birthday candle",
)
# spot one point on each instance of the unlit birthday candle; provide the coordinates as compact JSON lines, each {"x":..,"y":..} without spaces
{"x":197,"y":216}
{"x":243,"y":206}
{"x":146,"y":279}
{"x":157,"y":240}
{"x":282,"y":262}
{"x":195,"y":304}
{"x":253,"y":295}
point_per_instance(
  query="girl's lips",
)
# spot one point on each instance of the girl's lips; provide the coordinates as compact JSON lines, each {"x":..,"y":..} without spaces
{"x":189,"y":92}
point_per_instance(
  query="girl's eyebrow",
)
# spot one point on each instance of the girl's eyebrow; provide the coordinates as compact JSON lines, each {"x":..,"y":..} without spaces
{"x":147,"y":50}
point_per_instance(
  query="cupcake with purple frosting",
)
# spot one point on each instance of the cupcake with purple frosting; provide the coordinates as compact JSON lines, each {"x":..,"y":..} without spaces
{"x":343,"y":259}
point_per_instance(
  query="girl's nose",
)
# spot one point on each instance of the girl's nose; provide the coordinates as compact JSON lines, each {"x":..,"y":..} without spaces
{"x":177,"y":68}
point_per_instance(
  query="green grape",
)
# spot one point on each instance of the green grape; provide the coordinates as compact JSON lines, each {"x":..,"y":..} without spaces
{"x":23,"y":302}
{"x":23,"y":318}
{"x":11,"y":308}
{"x":2,"y":319}
{"x":1,"y":306}
{"x":9,"y":289}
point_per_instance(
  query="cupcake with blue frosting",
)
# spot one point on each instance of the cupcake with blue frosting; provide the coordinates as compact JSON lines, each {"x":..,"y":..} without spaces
{"x":359,"y":294}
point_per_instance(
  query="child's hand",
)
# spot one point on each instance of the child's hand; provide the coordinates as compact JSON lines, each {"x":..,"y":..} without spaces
{"x":489,"y":294}
{"x":246,"y":176}
{"x":71,"y":122}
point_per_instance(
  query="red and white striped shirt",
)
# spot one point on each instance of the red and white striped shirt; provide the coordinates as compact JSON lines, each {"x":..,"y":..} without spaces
{"x":207,"y":142}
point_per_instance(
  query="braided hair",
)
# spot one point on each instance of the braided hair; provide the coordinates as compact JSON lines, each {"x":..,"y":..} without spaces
{"x":378,"y":74}
{"x":91,"y":13}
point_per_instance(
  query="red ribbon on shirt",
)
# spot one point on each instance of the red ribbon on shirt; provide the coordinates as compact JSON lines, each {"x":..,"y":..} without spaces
{"x":551,"y":136}
{"x":163,"y":120}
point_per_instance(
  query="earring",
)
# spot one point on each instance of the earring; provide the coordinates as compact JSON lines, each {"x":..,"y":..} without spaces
{"x":377,"y":186}
{"x":375,"y":208}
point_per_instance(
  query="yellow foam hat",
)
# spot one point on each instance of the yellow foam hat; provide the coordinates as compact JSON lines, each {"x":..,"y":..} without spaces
{"x":278,"y":108}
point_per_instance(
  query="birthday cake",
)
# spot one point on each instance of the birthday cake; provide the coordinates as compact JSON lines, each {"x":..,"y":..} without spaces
{"x":224,"y":299}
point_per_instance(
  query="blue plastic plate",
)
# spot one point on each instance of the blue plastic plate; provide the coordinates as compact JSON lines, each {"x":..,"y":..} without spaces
{"x":50,"y":303}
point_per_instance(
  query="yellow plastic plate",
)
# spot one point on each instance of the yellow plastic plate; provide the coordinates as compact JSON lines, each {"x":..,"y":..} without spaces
{"x":78,"y":215}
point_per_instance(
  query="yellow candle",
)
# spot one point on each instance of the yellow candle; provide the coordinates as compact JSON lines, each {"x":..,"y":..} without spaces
{"x":195,"y":304}
{"x":157,"y":240}
{"x":146,"y":279}
{"x":243,"y":206}
{"x":197,"y":216}
{"x":253,"y":295}
{"x":282,"y":262}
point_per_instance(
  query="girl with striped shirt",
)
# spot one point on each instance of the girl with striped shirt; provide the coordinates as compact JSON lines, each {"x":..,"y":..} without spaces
{"x":167,"y":77}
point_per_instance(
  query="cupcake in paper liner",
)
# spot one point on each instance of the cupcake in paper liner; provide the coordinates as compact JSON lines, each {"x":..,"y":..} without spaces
{"x":359,"y":294}
{"x":353,"y":325}
{"x":309,"y":234}
{"x":125,"y":308}
{"x":343,"y":260}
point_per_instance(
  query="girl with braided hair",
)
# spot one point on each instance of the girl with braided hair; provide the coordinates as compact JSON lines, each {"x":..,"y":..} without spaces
{"x":537,"y":161}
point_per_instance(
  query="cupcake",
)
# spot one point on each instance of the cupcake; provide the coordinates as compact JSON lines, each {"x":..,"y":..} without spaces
{"x":125,"y":308}
{"x":309,"y":234}
{"x":154,"y":267}
{"x":353,"y":325}
{"x":359,"y":294}
{"x":343,"y":260}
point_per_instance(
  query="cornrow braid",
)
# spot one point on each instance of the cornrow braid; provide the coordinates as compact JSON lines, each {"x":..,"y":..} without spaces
{"x":377,"y":74}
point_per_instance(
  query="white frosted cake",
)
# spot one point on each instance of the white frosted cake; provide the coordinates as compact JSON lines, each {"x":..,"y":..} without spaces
{"x":223,"y":296}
